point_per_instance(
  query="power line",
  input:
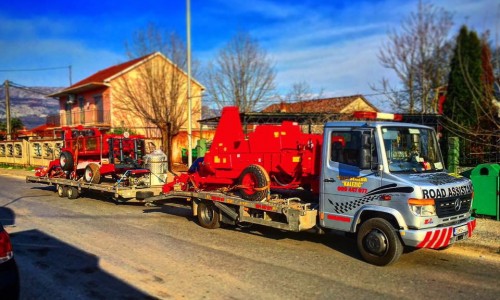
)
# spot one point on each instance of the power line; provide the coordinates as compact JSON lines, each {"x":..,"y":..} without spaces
{"x":29,"y":89}
{"x":35,"y":70}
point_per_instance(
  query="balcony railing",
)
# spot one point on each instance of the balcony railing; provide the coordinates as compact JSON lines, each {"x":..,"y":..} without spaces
{"x":90,"y":117}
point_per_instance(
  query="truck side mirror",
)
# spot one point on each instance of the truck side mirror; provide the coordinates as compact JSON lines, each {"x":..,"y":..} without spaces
{"x":365,"y":159}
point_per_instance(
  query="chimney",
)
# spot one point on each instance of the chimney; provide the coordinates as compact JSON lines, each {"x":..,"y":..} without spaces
{"x":282,"y":107}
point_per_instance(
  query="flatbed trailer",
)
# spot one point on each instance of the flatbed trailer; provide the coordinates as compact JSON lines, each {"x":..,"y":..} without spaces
{"x":72,"y":189}
{"x":211,"y":208}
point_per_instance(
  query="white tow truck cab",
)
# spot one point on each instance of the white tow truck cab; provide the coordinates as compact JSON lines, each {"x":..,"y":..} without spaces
{"x":386,"y":182}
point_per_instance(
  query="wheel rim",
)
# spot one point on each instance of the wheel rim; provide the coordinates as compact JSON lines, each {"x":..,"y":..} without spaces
{"x":88,"y":174}
{"x":60,"y":190}
{"x":248,"y":182}
{"x":62,"y":161}
{"x":375,"y":242}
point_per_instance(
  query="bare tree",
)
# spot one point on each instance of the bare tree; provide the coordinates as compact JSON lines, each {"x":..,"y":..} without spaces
{"x":241,"y":74}
{"x":157,"y":92}
{"x":419,"y":55}
{"x":300,"y":91}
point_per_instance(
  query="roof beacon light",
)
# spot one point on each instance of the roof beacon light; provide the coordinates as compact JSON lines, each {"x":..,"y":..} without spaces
{"x":372,"y":115}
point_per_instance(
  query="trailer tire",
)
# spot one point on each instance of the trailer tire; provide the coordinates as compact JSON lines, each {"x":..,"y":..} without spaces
{"x":66,"y":161}
{"x":141,"y":195}
{"x":254,"y":183}
{"x":92,"y":173}
{"x":378,"y":242}
{"x":72,"y":192}
{"x":62,"y":190}
{"x":208,"y":215}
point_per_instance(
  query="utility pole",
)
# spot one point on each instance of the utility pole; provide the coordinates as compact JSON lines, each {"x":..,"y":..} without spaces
{"x":7,"y":110}
{"x":190,"y":129}
{"x":70,"y":76}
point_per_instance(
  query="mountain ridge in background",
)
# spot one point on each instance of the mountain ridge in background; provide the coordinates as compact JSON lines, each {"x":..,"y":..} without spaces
{"x":30,"y":104}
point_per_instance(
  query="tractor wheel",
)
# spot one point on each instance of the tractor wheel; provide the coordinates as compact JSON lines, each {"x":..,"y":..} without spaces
{"x":62,"y":191}
{"x":208,"y":215}
{"x":92,"y":173}
{"x":66,"y":161}
{"x":253,"y":183}
{"x":72,"y":192}
{"x":378,"y":242}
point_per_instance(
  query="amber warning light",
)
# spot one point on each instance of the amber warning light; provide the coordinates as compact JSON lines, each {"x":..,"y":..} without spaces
{"x":372,"y":115}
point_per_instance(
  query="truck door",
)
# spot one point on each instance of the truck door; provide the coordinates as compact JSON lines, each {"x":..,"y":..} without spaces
{"x":349,"y":173}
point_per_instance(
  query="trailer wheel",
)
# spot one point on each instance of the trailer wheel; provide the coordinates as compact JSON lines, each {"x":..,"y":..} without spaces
{"x":92,"y":173}
{"x":208,"y":215}
{"x":66,"y":161}
{"x":141,"y":195}
{"x":379,"y":242}
{"x":72,"y":192}
{"x":62,"y":191}
{"x":254,"y":183}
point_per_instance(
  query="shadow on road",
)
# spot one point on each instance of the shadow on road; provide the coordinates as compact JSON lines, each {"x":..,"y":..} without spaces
{"x":337,"y":241}
{"x":51,"y":268}
{"x":7,"y":216}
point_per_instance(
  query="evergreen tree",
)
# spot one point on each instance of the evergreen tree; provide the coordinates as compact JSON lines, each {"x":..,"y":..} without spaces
{"x":465,"y":89}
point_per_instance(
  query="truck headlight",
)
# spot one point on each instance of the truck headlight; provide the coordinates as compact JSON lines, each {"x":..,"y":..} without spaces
{"x":422,"y":207}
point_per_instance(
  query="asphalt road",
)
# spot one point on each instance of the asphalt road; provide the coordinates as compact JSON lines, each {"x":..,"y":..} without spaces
{"x":92,"y":248}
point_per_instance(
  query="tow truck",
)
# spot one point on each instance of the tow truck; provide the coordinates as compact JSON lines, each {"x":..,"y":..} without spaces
{"x":383,"y":181}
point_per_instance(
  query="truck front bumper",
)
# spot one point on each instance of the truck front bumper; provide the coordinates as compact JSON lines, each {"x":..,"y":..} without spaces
{"x":439,"y":237}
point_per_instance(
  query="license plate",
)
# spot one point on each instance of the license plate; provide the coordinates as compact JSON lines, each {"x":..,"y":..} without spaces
{"x":460,"y":230}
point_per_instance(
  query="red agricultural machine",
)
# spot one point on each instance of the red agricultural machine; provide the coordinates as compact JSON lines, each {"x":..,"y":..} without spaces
{"x":270,"y":157}
{"x":91,"y":154}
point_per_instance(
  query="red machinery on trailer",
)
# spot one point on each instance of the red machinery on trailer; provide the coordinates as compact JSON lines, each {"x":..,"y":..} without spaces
{"x":271,"y":157}
{"x":92,"y":154}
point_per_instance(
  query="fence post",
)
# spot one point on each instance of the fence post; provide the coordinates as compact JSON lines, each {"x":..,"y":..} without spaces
{"x":453,"y":154}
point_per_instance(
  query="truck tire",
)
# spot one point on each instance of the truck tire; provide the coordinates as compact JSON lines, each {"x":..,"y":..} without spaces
{"x":72,"y":192}
{"x":66,"y":161}
{"x":92,"y":173}
{"x":378,"y":242}
{"x":254,"y":183}
{"x":208,"y":215}
{"x":62,"y":191}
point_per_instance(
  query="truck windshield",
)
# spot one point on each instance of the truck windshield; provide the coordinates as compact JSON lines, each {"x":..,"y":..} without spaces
{"x":411,"y":149}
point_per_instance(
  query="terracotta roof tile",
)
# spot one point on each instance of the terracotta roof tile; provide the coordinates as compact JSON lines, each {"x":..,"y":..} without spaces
{"x":327,"y":105}
{"x":102,"y":75}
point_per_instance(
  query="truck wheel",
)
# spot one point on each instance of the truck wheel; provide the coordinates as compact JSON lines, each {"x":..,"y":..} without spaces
{"x":379,"y":242}
{"x":92,"y":173}
{"x":208,"y":215}
{"x":72,"y":192}
{"x":66,"y":161}
{"x":62,"y":191}
{"x":254,"y":183}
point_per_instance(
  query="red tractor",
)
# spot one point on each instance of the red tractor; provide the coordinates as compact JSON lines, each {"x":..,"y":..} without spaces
{"x":270,"y":157}
{"x":91,"y":154}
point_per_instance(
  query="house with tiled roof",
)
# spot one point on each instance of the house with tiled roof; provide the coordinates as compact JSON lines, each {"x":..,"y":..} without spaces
{"x":98,"y":99}
{"x":336,"y":105}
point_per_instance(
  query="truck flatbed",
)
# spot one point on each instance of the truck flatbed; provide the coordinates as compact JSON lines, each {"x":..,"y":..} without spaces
{"x":290,"y":214}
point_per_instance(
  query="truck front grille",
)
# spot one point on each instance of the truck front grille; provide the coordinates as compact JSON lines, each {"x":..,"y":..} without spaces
{"x":451,"y":206}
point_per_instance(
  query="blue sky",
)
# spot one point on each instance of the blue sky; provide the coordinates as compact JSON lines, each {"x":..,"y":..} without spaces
{"x":331,"y":45}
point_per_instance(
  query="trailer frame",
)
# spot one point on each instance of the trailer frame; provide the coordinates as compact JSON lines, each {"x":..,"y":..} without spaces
{"x":291,"y":214}
{"x":72,"y":188}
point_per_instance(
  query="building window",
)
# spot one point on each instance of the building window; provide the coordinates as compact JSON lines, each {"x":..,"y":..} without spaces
{"x":81,"y":105}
